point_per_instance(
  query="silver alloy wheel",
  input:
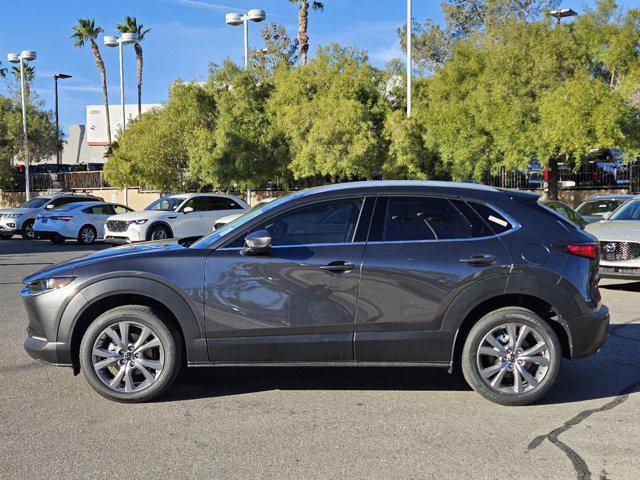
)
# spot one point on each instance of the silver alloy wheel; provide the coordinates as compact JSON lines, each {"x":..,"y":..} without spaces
{"x":513,"y":358}
{"x":159,"y":234}
{"x":28,"y":230}
{"x":87,"y":235}
{"x":127,"y":357}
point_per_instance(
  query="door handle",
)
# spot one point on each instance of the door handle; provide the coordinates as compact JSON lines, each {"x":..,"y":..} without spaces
{"x":479,"y":260}
{"x":337,"y":267}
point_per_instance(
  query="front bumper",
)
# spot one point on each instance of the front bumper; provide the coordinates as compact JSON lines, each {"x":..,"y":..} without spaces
{"x":588,"y":332}
{"x":134,"y":233}
{"x":41,"y":349}
{"x":9,"y":226}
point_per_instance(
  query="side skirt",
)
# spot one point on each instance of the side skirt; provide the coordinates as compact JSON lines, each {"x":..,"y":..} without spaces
{"x":325,"y":364}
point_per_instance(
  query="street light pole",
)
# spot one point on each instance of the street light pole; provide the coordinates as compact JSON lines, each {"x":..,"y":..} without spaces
{"x":235,"y":19}
{"x":409,"y":58}
{"x":25,"y":55}
{"x":56,"y":76}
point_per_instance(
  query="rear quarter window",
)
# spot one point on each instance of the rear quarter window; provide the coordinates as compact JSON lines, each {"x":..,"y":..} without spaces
{"x":496,"y":221}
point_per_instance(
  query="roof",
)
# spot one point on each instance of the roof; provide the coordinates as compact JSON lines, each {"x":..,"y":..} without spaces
{"x":404,"y":183}
{"x":619,"y":196}
{"x":74,"y":205}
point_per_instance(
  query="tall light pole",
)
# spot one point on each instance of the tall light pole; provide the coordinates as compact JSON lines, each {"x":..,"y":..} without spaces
{"x":56,"y":76}
{"x":111,"y":41}
{"x":235,"y":19}
{"x":409,"y":59}
{"x":24,"y":56}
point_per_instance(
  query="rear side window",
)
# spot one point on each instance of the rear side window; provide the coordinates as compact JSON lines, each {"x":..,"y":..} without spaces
{"x":426,"y":218}
{"x":496,"y":221}
{"x":203,"y":204}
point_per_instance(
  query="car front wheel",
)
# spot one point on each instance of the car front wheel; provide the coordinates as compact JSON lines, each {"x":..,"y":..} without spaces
{"x":87,"y":235}
{"x":129,"y":354}
{"x":159,"y":232}
{"x":511,"y":356}
{"x":27,"y":230}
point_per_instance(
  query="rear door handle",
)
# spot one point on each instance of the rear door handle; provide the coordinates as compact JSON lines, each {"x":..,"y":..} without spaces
{"x":479,"y":260}
{"x":338,"y":266}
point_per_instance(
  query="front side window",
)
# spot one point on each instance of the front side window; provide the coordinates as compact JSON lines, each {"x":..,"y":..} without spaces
{"x":427,"y":218}
{"x":599,"y":207}
{"x":320,"y":223}
{"x":35,"y":202}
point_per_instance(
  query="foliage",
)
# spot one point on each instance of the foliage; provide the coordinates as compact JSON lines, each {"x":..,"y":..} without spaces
{"x":152,"y":151}
{"x":130,"y":25}
{"x":331,"y":113}
{"x":279,"y":49}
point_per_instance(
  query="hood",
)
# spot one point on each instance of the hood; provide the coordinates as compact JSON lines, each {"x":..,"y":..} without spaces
{"x":66,"y":268}
{"x":615,"y":230}
{"x":148,"y":214}
{"x":18,"y":210}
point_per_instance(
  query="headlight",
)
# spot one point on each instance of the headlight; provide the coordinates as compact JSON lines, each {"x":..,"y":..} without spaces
{"x":46,"y":285}
{"x":12,"y":215}
{"x":139,"y":222}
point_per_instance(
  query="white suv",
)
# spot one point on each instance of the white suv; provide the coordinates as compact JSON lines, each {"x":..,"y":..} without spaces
{"x":180,"y":216}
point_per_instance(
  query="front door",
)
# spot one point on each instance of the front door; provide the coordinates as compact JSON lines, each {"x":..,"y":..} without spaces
{"x":295,"y":303}
{"x":422,"y":252}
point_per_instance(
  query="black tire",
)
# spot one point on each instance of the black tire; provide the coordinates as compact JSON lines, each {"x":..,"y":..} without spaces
{"x":57,"y":240}
{"x":87,"y":235}
{"x":159,"y":232}
{"x":27,"y":230}
{"x":543,"y":376}
{"x":5,"y":236}
{"x":141,"y":316}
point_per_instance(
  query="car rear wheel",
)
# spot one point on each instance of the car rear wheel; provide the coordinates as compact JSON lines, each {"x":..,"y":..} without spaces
{"x":159,"y":232}
{"x":87,"y":235}
{"x":129,"y":354}
{"x":27,"y":230}
{"x":511,"y":356}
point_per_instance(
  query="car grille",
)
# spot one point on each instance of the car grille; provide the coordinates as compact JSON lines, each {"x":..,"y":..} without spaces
{"x":619,"y":250}
{"x":117,"y":225}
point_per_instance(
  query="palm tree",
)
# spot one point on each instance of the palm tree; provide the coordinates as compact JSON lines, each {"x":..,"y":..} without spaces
{"x":303,"y":24}
{"x":130,"y":25}
{"x":3,"y":71}
{"x":86,"y":31}
{"x":29,"y":75}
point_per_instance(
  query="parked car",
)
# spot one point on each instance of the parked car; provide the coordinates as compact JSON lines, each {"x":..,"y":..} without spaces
{"x":221,"y":222}
{"x":619,"y":240}
{"x":566,"y":211}
{"x":180,"y":216}
{"x":20,"y":220}
{"x":598,"y":207}
{"x":83,"y":221}
{"x":393,"y":273}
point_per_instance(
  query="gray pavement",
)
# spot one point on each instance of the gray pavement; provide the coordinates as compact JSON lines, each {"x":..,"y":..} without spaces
{"x":315,"y":423}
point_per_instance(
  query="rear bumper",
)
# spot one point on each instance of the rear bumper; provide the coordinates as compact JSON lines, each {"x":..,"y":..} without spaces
{"x":588,"y":332}
{"x":49,"y":235}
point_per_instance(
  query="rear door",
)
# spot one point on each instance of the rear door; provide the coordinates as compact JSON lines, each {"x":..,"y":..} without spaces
{"x":422,"y":251}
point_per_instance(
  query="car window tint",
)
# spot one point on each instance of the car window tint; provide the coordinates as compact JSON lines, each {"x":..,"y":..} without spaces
{"x":497,"y":222}
{"x":103,"y":210}
{"x":427,"y":218}
{"x":57,"y":202}
{"x":326,"y":222}
{"x":598,"y":207}
{"x":120,"y":209}
{"x":215,"y":203}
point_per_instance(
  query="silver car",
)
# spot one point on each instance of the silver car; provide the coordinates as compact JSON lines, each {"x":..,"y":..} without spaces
{"x":619,"y":240}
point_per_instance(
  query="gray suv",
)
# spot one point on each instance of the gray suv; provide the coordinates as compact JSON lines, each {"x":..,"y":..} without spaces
{"x":20,"y":220}
{"x":392,"y":273}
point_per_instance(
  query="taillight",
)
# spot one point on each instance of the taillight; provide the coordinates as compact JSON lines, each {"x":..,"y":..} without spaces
{"x":587,"y":250}
{"x":63,"y":218}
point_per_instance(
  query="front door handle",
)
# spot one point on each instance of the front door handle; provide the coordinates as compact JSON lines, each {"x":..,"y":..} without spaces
{"x":338,"y":266}
{"x":479,"y":260}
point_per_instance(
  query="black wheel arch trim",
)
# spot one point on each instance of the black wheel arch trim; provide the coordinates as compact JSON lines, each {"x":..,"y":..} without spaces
{"x":190,"y":317}
{"x":156,"y":224}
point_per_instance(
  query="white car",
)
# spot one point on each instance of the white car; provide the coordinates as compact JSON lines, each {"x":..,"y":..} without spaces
{"x":19,"y":221}
{"x":221,"y":222}
{"x":179,"y":216}
{"x":82,"y":221}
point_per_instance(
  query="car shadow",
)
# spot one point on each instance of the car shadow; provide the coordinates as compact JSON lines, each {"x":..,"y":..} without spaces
{"x":608,"y":374}
{"x":629,"y":286}
{"x":19,"y":246}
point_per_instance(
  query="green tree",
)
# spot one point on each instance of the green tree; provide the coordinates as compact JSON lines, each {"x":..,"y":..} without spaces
{"x":153,"y":151}
{"x":29,"y":76}
{"x":331,"y":114}
{"x":86,"y":31}
{"x":279,"y":49}
{"x":303,"y":24}
{"x":130,"y":25}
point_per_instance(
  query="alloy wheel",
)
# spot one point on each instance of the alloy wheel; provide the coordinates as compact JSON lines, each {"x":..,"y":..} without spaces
{"x":159,"y":234}
{"x":513,"y":358}
{"x":87,"y":235}
{"x":128,"y":357}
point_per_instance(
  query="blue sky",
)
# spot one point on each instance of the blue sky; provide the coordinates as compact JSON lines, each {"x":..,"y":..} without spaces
{"x":186,"y":35}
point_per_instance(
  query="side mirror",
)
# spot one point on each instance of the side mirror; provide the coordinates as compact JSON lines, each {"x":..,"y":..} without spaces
{"x":49,"y":207}
{"x":605,"y":216}
{"x":257,"y":242}
{"x":187,"y":210}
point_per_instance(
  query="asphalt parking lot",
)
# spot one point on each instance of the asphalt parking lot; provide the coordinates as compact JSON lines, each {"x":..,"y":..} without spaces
{"x":314,"y":423}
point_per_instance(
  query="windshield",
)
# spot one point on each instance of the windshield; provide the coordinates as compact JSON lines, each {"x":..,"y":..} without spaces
{"x":599,"y":207}
{"x":167,"y":204}
{"x":247,"y":216}
{"x":628,"y":211}
{"x":35,"y":203}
